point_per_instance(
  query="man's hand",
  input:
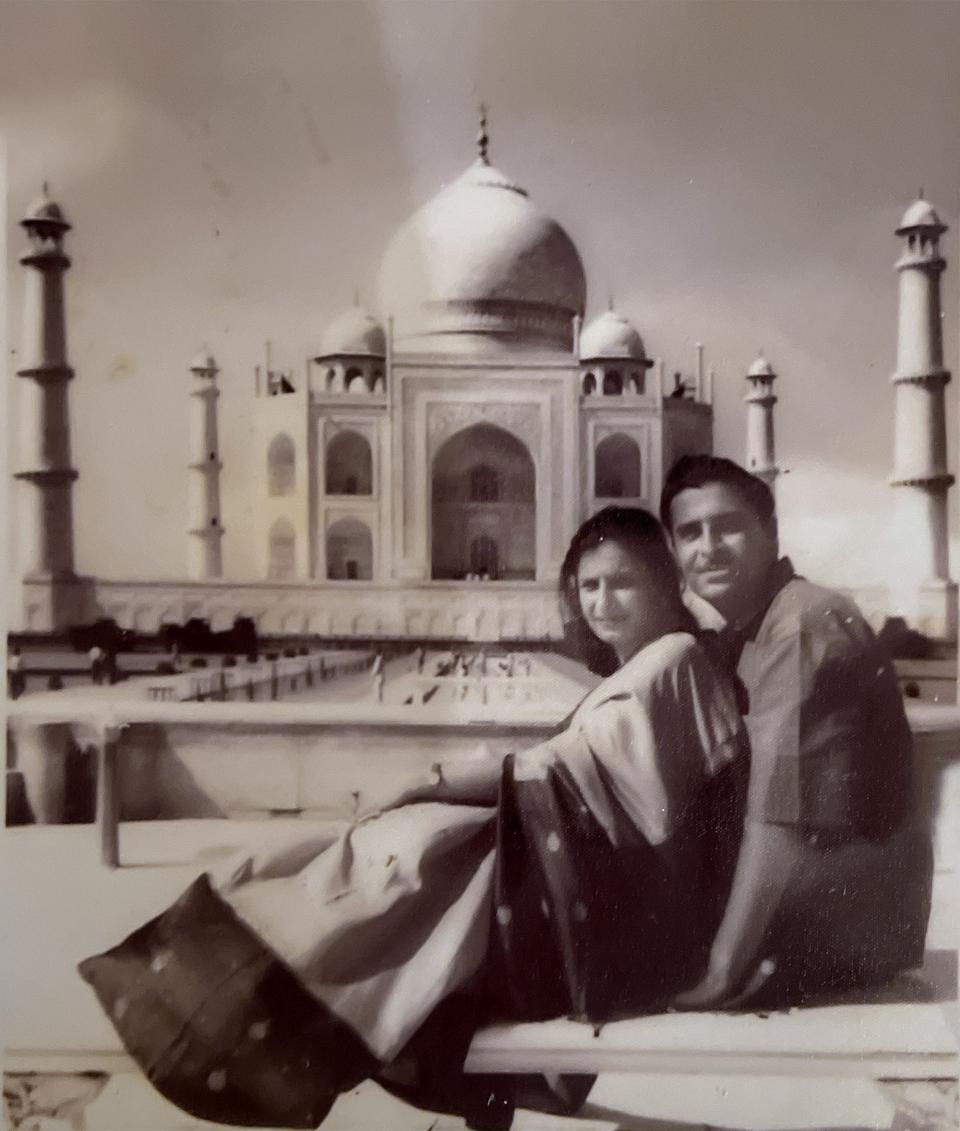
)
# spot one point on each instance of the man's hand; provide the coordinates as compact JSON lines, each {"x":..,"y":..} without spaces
{"x":719,"y":990}
{"x":769,"y":858}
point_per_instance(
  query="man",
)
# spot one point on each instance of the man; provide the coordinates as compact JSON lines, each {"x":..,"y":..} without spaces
{"x":97,"y":658}
{"x":832,"y":885}
{"x":16,"y":677}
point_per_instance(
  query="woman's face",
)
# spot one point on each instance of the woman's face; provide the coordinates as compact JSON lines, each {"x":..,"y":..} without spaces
{"x":617,"y":598}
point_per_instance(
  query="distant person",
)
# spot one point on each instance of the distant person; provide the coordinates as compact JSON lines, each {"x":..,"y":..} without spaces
{"x":832,"y":887}
{"x":16,"y":676}
{"x":97,"y":658}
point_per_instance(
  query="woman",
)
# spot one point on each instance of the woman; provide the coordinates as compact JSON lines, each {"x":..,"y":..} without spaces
{"x":583,"y":877}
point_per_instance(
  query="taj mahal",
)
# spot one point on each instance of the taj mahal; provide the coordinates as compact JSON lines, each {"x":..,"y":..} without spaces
{"x":421,"y":478}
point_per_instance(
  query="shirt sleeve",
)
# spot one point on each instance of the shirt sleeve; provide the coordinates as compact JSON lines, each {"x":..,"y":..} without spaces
{"x":830,"y":747}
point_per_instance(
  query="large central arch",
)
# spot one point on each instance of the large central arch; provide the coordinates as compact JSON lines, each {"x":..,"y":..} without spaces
{"x":483,"y":507}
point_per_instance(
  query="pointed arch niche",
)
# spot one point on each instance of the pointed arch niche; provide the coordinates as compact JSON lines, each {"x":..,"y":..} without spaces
{"x":349,"y":551}
{"x":282,"y":551}
{"x":281,"y":465}
{"x":349,"y":464}
{"x":483,"y":507}
{"x":617,"y":468}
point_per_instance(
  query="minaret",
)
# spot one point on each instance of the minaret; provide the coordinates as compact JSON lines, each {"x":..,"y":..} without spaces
{"x":761,"y":459}
{"x":204,"y":559}
{"x":45,"y":529}
{"x":920,"y":476}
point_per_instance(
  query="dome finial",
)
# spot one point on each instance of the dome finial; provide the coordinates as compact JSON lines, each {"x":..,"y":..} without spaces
{"x":483,"y":138}
{"x":610,"y":302}
{"x":920,"y":194}
{"x":46,"y":188}
{"x":356,"y":296}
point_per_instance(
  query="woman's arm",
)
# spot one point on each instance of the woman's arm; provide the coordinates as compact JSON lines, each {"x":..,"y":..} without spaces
{"x":768,"y":860}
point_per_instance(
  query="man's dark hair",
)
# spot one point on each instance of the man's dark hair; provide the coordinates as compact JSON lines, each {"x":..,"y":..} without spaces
{"x":700,"y":471}
{"x":638,"y":532}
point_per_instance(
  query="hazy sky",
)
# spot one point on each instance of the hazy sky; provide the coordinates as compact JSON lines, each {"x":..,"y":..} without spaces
{"x":732,"y":172}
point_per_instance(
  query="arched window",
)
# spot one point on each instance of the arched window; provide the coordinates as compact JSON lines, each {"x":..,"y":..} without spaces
{"x":485,"y":556}
{"x":355,"y":381}
{"x":484,"y":484}
{"x":612,"y":383}
{"x":638,"y":381}
{"x":349,"y":465}
{"x":282,"y":557}
{"x":617,"y":468}
{"x":589,"y":384}
{"x":281,"y":465}
{"x":349,"y":551}
{"x":334,"y":381}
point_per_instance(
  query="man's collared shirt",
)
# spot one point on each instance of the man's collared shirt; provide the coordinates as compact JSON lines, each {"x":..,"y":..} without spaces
{"x":829,"y":738}
{"x":831,"y":754}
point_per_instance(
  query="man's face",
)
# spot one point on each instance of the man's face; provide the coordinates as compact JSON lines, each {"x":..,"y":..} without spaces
{"x":724,"y":551}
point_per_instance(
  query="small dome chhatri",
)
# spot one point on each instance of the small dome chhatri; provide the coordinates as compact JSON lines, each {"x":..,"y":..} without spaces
{"x":761,"y":368}
{"x":612,"y":335}
{"x":921,"y":214}
{"x":204,"y":362}
{"x":355,"y":333}
{"x":46,"y":213}
{"x":481,"y":266}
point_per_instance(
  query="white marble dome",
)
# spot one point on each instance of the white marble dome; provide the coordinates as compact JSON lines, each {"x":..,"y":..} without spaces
{"x":921,"y":214}
{"x":355,"y":333}
{"x":611,"y":335}
{"x":480,"y":267}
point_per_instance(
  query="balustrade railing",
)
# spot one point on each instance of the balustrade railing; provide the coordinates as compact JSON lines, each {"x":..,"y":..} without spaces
{"x":262,"y":679}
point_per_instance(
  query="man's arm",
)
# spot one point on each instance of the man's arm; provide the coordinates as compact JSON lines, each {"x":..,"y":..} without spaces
{"x":768,"y":860}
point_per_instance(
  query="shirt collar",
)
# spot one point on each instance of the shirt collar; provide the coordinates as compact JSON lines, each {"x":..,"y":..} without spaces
{"x":780,"y":575}
{"x":707,"y":617}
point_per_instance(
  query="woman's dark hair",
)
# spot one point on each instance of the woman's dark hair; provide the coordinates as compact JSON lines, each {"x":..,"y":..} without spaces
{"x":700,"y":471}
{"x":642,"y":536}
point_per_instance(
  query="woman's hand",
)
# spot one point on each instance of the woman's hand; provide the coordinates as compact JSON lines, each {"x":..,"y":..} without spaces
{"x":473,"y":781}
{"x":415,"y":788}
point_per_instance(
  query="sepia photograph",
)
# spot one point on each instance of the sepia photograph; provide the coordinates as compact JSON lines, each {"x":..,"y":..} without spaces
{"x":482,"y":557}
